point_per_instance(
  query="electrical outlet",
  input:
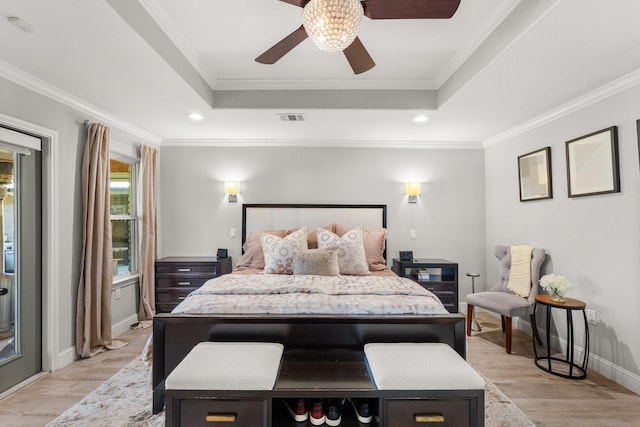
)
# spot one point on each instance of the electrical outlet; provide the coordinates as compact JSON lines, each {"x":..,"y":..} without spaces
{"x":592,"y":316}
{"x":118,"y":293}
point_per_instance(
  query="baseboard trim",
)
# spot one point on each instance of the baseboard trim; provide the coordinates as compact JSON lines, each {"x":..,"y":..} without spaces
{"x":68,"y":355}
{"x":123,"y":325}
{"x":602,"y":366}
{"x":65,"y":357}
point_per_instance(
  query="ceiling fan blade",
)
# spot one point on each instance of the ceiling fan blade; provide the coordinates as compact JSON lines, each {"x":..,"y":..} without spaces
{"x":358,"y":57}
{"x":410,"y":9}
{"x":280,"y":49}
{"x":299,"y":3}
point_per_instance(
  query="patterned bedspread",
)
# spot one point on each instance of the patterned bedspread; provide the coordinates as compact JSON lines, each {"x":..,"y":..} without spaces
{"x":304,"y":294}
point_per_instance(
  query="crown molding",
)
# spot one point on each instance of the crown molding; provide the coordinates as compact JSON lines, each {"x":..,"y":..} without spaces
{"x":434,"y":145}
{"x":325,"y":84}
{"x":179,"y":40}
{"x":33,"y":83}
{"x":466,"y":51}
{"x":603,"y":92}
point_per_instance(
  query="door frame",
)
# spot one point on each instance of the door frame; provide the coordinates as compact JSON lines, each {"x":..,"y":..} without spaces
{"x":50,"y":242}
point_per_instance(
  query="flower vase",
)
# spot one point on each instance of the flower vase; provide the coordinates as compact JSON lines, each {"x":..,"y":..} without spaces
{"x":556,"y":296}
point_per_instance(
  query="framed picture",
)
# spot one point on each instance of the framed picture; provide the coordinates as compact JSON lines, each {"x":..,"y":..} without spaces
{"x":534,"y":173}
{"x":592,"y":163}
{"x":638,"y":127}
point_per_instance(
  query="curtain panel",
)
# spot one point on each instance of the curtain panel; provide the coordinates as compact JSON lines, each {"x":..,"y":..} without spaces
{"x":148,"y":244}
{"x":93,"y":315}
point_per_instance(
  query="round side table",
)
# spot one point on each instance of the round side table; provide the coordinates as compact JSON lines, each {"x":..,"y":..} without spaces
{"x":546,"y":362}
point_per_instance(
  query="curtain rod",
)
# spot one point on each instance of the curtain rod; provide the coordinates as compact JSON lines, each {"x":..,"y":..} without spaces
{"x":138,"y":144}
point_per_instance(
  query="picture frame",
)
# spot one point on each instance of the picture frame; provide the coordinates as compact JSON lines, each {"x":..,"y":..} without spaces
{"x":638,"y":129}
{"x":592,"y":163}
{"x":534,"y":175}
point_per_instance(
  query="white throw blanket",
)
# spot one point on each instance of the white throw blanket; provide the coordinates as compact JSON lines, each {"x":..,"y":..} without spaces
{"x":520,"y":272}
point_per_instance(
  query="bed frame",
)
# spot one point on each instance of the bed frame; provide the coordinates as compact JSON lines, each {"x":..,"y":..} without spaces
{"x":174,"y":335}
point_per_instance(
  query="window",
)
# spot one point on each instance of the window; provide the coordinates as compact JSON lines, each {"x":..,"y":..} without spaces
{"x":124,"y":219}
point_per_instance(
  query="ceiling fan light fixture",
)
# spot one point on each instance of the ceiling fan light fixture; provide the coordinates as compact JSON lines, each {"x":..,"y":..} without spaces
{"x":332,"y":25}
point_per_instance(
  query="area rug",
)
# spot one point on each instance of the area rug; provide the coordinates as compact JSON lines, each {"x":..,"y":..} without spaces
{"x":125,"y":400}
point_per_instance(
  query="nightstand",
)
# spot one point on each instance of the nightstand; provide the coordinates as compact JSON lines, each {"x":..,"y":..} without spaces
{"x":436,"y":275}
{"x":177,"y":276}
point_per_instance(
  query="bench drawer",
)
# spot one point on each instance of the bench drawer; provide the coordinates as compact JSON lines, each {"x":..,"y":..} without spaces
{"x":427,"y":412}
{"x":223,"y":412}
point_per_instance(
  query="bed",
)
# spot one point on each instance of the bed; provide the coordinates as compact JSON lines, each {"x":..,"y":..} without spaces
{"x":310,"y":309}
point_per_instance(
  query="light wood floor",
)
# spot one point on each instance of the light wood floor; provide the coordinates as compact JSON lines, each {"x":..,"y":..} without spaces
{"x":548,"y":400}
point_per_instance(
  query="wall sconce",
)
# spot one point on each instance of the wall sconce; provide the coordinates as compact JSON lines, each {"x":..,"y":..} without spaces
{"x":412,"y":189}
{"x":232,"y":188}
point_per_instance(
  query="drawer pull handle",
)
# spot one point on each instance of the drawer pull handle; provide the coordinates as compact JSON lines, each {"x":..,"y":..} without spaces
{"x":181,"y":298}
{"x":429,"y":418}
{"x":221,"y":418}
{"x":184,"y":270}
{"x":184,"y":283}
{"x":430,"y":289}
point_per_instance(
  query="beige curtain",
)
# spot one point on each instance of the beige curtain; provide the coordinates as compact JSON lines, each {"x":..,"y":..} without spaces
{"x":148,"y":247}
{"x":93,"y":315}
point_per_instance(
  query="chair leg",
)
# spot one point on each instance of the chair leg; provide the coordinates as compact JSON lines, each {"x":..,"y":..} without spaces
{"x":469,"y":318}
{"x":534,"y":329}
{"x":507,"y":336}
{"x":502,"y":321}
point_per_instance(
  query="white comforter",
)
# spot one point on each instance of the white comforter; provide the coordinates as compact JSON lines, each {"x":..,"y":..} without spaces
{"x":305,"y":294}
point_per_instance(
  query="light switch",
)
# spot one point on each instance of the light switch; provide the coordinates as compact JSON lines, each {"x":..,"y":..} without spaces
{"x":413,"y":234}
{"x":233,"y":233}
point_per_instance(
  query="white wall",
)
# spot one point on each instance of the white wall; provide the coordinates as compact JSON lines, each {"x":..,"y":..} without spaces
{"x":195,"y":217}
{"x":594,"y":241}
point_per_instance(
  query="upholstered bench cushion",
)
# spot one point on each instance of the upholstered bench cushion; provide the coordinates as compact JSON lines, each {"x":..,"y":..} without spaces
{"x":227,"y":366}
{"x":420,"y":366}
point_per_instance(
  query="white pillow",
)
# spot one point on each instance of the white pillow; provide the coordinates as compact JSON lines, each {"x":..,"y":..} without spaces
{"x":279,"y":252}
{"x":352,"y":258}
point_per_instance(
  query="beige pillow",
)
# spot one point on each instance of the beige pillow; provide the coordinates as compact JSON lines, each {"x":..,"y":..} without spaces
{"x":351,"y":254}
{"x":279,"y":252}
{"x":321,"y":262}
{"x":253,"y":256}
{"x":374,"y":244}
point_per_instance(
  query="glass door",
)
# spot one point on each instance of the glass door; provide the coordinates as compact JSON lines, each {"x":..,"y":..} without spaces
{"x":20,"y":265}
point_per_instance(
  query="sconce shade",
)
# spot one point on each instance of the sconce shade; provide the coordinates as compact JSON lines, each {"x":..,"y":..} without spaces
{"x":231,"y":187}
{"x":412,"y":188}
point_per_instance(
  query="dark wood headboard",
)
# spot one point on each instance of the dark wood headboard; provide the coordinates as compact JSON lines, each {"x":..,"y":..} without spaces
{"x":289,"y":216}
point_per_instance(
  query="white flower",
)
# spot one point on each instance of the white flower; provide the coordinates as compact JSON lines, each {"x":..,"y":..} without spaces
{"x":559,"y":284}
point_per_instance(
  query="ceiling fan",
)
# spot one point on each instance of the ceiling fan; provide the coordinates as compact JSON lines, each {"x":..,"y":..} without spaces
{"x":344,"y":18}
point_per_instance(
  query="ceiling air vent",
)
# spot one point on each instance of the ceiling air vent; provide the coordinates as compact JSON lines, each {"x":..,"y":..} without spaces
{"x":292,"y":117}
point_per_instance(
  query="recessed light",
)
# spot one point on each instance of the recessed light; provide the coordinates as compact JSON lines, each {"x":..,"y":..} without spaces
{"x":420,"y":118}
{"x":195,"y":116}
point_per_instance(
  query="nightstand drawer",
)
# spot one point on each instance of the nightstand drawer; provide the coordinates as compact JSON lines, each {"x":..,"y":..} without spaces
{"x":187,"y":268}
{"x":223,"y":412}
{"x":181,"y":282}
{"x":427,"y":412}
{"x":176,"y":277}
{"x":447,"y":298}
{"x":173,"y":295}
{"x":439,"y":286}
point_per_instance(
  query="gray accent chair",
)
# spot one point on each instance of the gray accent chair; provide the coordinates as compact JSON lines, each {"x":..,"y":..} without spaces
{"x":501,"y":300}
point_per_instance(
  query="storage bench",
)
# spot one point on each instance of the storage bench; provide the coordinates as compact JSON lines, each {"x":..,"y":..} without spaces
{"x":244,"y":384}
{"x":217,"y":383}
{"x":426,"y":383}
